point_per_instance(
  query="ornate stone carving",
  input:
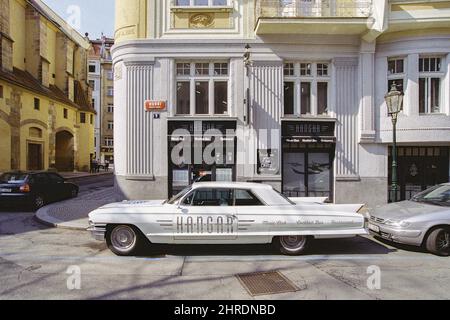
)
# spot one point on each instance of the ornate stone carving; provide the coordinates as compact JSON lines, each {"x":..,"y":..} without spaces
{"x":201,"y":20}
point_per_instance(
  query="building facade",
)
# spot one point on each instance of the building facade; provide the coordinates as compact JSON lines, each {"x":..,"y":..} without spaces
{"x":294,"y":88}
{"x":101,"y":81}
{"x":46,"y":120}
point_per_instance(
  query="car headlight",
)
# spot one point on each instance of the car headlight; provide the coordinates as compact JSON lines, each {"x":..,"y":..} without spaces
{"x":397,"y":223}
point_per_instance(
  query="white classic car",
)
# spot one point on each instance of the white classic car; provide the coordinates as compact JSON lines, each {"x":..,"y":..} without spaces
{"x":224,"y":213}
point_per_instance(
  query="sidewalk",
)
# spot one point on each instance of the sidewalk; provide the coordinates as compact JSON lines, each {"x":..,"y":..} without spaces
{"x":73,"y":214}
{"x":81,"y":175}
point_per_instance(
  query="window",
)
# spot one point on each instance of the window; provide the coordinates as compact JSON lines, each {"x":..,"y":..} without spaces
{"x":220,"y":97}
{"x":183,"y":97}
{"x":37,"y":104}
{"x":246,"y":198}
{"x":430,"y":88}
{"x":110,"y":125}
{"x":65,"y":113}
{"x":93,"y":103}
{"x":82,"y":117}
{"x":110,"y":91}
{"x":110,"y":75}
{"x":35,"y":132}
{"x":202,"y":88}
{"x":92,"y":84}
{"x":92,"y":119}
{"x":110,"y":108}
{"x":306,"y":88}
{"x":109,"y":142}
{"x":55,"y":178}
{"x":201,"y":2}
{"x":396,"y":73}
{"x":1,"y":92}
{"x":212,"y":198}
{"x":92,"y":68}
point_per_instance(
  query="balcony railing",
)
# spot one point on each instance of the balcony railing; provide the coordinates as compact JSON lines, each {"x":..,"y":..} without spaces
{"x":313,"y":8}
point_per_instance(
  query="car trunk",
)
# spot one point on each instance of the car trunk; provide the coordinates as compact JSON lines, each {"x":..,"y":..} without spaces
{"x":6,"y":188}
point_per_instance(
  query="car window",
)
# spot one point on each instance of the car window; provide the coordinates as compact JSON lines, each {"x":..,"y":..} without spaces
{"x":13,"y":178}
{"x":246,"y":198}
{"x":180,"y":195}
{"x":54,"y":178}
{"x":41,"y":178}
{"x":211,"y":198}
{"x":439,"y":195}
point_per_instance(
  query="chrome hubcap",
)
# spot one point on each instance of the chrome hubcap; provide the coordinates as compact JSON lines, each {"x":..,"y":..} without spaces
{"x":443,"y":241}
{"x":293,"y":242}
{"x":123,"y":238}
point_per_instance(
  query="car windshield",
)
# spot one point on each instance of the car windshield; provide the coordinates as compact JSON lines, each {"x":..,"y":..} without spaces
{"x":13,"y":178}
{"x":177,"y":198}
{"x":439,"y":195}
{"x":286,"y":198}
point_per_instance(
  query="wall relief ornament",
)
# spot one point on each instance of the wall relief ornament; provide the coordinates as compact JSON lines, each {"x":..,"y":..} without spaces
{"x":201,"y":20}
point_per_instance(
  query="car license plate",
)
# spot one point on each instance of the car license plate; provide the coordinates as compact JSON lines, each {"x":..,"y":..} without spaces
{"x":5,"y":190}
{"x":374,"y":228}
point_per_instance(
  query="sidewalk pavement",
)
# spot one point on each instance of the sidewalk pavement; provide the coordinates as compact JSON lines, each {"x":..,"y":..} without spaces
{"x":73,"y":214}
{"x":81,"y":175}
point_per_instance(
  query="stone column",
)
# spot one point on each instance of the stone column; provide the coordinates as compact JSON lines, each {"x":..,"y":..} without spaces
{"x":367,"y":91}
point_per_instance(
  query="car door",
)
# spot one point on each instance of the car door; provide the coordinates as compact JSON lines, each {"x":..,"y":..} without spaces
{"x":206,"y":215}
{"x":254,"y":217}
{"x":41,"y":186}
{"x":57,"y":186}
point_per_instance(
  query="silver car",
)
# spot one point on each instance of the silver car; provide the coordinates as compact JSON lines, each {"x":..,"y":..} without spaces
{"x":422,"y":221}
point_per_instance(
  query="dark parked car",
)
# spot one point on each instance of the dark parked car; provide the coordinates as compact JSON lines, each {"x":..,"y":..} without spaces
{"x":34,"y":190}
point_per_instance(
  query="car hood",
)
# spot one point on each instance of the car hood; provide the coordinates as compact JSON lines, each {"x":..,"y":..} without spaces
{"x":135,"y":203}
{"x":404,"y":210}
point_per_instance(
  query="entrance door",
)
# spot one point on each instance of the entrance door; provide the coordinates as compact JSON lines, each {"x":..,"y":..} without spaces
{"x":35,"y":158}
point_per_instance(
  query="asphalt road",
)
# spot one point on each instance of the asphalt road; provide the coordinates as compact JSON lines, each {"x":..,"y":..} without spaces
{"x":37,"y":262}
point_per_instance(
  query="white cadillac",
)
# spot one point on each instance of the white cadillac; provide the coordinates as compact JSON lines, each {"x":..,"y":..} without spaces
{"x":225,"y":213}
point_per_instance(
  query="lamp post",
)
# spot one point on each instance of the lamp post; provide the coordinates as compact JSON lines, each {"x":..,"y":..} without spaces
{"x":248,"y":64}
{"x":394,"y":102}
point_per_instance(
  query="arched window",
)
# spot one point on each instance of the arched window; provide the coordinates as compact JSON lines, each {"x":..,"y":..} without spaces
{"x":35,"y":132}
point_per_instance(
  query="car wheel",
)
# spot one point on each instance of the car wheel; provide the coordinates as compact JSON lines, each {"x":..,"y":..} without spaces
{"x":74,"y":193}
{"x":38,"y":202}
{"x":123,"y":240}
{"x":293,"y":245}
{"x":438,"y":242}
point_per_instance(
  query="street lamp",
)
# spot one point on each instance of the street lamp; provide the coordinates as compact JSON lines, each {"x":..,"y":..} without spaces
{"x":247,"y":64}
{"x":394,"y":102}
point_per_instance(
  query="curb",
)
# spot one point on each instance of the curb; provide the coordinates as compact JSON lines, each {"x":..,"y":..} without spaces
{"x":44,"y":218}
{"x":89,"y":176}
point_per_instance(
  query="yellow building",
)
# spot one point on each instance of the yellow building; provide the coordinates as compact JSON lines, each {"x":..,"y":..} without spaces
{"x":46,"y":117}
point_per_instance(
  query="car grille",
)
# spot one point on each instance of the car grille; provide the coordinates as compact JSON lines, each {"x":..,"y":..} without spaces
{"x":378,"y":220}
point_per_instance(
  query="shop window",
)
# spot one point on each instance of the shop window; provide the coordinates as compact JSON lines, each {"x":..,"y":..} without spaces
{"x":183,"y":98}
{"x":305,"y":95}
{"x":201,"y":97}
{"x":322,"y":98}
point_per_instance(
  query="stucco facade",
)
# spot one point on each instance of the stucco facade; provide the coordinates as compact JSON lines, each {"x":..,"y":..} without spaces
{"x":316,"y":79}
{"x":46,"y":118}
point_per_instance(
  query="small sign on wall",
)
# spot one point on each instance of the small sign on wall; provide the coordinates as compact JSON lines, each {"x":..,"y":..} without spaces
{"x":155,"y":105}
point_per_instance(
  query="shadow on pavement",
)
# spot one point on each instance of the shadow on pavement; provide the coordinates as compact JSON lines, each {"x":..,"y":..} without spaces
{"x":353,"y":246}
{"x":400,"y":246}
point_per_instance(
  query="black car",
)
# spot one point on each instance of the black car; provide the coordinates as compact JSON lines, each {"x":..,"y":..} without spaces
{"x":34,"y":190}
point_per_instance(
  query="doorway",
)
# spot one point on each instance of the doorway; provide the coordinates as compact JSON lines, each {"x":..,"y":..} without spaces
{"x":35,"y":157}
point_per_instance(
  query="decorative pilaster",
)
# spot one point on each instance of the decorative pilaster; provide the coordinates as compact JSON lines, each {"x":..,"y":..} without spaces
{"x":347,"y":153}
{"x":139,"y":126}
{"x":367,"y":90}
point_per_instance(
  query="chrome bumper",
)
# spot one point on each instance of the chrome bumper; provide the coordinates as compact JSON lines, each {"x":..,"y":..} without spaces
{"x":98,"y":231}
